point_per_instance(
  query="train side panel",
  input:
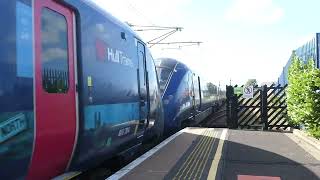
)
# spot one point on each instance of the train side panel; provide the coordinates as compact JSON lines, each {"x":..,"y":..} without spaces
{"x":115,"y":73}
{"x":16,"y":88}
{"x":155,"y":125}
{"x":206,"y":102}
{"x":112,"y":120}
{"x":109,"y":100}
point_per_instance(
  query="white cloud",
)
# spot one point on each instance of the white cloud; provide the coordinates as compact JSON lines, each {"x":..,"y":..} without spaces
{"x":254,"y":11}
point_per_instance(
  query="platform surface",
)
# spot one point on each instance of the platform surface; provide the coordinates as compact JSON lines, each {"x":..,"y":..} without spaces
{"x":271,"y":154}
{"x":213,"y":153}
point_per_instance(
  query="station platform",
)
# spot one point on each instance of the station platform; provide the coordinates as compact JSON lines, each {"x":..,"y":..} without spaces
{"x":217,"y":153}
{"x":192,"y":153}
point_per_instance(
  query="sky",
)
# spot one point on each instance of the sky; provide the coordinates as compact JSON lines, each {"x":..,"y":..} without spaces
{"x":242,"y":39}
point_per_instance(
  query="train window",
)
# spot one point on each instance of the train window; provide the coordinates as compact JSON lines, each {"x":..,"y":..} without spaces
{"x":16,"y":88}
{"x":54,"y":55}
{"x":142,"y":63}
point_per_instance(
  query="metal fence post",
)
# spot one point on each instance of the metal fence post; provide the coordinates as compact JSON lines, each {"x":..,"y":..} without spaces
{"x":234,"y":111}
{"x":232,"y":103}
{"x":228,"y":105}
{"x":264,"y":107}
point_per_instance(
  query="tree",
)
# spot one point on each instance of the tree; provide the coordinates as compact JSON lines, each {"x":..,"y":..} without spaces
{"x":251,"y":82}
{"x":212,"y":89}
{"x":302,"y":95}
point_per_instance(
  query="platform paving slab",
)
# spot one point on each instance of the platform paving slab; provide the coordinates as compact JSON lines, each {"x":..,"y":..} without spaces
{"x":270,"y":154}
{"x":254,"y":155}
{"x":159,"y":165}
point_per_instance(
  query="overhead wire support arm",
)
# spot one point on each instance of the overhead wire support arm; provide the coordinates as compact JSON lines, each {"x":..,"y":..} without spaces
{"x":160,"y":38}
{"x":155,"y":27}
{"x":182,"y":42}
{"x":159,"y":29}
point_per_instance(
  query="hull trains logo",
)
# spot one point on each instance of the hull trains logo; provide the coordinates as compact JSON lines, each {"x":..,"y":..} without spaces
{"x":105,"y":53}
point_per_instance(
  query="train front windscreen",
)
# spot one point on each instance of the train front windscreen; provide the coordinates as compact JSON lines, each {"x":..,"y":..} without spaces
{"x":164,"y":74}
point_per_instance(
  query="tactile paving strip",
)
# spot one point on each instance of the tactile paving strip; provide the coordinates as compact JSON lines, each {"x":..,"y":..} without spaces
{"x":196,"y":161}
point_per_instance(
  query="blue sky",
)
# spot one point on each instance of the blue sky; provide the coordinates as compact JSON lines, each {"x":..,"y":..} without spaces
{"x":243,"y":39}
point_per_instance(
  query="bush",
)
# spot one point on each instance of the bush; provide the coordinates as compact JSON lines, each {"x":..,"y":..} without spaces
{"x":303,"y":96}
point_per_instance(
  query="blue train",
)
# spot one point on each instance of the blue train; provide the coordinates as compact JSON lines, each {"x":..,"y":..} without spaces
{"x":187,"y":98}
{"x":78,"y":87}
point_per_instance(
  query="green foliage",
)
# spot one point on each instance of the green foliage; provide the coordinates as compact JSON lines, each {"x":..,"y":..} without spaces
{"x":251,"y":82}
{"x":303,"y":100}
{"x":213,"y":89}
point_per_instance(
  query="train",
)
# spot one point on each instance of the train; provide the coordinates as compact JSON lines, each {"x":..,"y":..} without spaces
{"x":187,"y":98}
{"x":78,"y":88}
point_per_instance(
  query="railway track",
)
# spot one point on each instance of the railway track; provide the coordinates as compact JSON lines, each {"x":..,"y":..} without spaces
{"x":216,"y":119}
{"x":105,"y":170}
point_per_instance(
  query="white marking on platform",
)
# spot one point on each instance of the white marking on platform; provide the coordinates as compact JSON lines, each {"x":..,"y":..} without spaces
{"x":125,"y":170}
{"x":249,"y":177}
{"x":215,"y":163}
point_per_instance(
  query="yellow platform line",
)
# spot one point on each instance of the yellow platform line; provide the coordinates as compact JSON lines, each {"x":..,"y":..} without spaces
{"x":215,"y":163}
{"x":191,"y":156}
{"x":203,"y":154}
{"x":206,"y":159}
{"x":204,"y":149}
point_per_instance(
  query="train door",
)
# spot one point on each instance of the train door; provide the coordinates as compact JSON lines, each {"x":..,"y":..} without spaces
{"x":55,"y":94}
{"x":196,"y":92}
{"x":200,"y":94}
{"x":143,"y":87}
{"x":191,"y":94}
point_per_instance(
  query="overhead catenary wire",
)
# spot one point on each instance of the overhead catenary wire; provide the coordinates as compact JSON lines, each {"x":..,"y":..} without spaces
{"x":180,"y":42}
{"x":184,"y":44}
{"x":154,"y":27}
{"x":138,"y":12}
{"x":151,"y":29}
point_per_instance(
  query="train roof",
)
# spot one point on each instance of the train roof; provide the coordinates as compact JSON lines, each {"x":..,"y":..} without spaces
{"x":110,"y":17}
